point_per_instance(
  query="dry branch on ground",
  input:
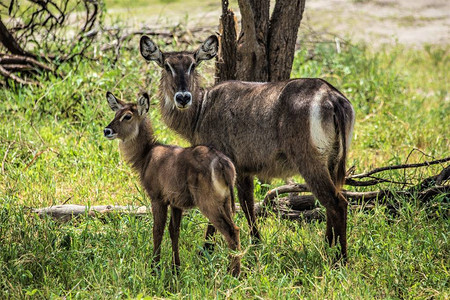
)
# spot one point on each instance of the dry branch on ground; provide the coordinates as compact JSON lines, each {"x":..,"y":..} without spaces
{"x":295,"y":206}
{"x":37,"y":36}
{"x":66,"y":212}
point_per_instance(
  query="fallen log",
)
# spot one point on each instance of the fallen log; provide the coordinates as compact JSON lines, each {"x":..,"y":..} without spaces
{"x":434,"y":183}
{"x":295,"y":206}
{"x":66,"y":212}
{"x":303,"y":207}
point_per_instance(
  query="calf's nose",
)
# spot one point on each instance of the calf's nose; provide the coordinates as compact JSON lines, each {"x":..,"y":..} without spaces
{"x":107,"y":131}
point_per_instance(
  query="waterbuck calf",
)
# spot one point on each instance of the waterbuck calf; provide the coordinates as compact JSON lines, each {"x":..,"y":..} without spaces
{"x":178,"y":177}
{"x":300,"y":126}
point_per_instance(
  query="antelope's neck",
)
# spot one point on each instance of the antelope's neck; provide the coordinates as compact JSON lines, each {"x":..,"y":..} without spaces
{"x":136,"y":150}
{"x":184,"y":122}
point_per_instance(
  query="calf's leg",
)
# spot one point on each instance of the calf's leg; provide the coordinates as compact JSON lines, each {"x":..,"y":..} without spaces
{"x":221,"y":218}
{"x":174,"y":230}
{"x":159,"y":211}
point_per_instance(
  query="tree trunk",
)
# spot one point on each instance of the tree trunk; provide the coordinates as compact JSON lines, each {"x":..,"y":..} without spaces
{"x":265,"y":48}
{"x":284,"y":24}
{"x":226,"y":61}
{"x":252,"y":46}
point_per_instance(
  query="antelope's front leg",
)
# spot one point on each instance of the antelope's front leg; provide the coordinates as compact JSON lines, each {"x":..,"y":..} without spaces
{"x":245,"y":189}
{"x":159,"y":211}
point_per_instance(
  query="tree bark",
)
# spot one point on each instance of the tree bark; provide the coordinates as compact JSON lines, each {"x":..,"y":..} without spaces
{"x":252,"y":64}
{"x":226,"y":61}
{"x":284,"y":24}
{"x":266,"y":46}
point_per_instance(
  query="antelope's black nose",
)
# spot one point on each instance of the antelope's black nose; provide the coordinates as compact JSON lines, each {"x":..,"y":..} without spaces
{"x":107,"y":132}
{"x":183,"y":98}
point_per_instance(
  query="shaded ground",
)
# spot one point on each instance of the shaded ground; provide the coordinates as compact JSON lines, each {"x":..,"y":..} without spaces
{"x":374,"y":21}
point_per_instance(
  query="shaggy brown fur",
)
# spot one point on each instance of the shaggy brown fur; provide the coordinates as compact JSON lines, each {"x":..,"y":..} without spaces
{"x":178,"y":177}
{"x":300,"y":126}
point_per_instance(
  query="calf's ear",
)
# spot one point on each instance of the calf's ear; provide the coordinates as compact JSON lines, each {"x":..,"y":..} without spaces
{"x":113,"y":102}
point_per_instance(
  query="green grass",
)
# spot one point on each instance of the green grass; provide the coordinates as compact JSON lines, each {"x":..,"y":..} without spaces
{"x":53,"y":151}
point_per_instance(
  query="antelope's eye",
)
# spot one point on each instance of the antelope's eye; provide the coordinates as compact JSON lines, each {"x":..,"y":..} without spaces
{"x":127,"y":117}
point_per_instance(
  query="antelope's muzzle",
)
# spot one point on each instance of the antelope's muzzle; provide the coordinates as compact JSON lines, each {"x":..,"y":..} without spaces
{"x":183,"y":99}
{"x":109,"y":133}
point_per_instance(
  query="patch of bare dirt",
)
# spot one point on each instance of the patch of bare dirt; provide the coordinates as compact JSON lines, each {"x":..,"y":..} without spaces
{"x":376,"y":22}
{"x":381,"y":21}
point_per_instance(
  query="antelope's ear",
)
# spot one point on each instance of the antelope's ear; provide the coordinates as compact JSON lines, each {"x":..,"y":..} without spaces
{"x":143,"y":104}
{"x":208,"y":49}
{"x":150,"y":51}
{"x":113,"y":102}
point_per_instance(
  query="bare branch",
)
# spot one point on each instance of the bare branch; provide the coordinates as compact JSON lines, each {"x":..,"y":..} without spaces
{"x":50,"y":27}
{"x":402,"y":166}
{"x":17,"y":79}
{"x":351,"y":182}
{"x":10,"y":43}
{"x":20,"y":59}
{"x":290,"y":188}
{"x":424,"y":191}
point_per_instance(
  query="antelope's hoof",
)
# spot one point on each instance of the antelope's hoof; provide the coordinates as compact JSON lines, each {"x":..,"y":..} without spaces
{"x":235,"y":270}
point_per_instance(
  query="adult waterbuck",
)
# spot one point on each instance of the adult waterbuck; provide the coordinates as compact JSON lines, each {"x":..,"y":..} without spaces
{"x":277,"y":129}
{"x":177,"y":177}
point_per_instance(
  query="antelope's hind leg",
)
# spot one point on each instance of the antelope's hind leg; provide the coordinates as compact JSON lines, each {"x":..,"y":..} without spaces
{"x":221,"y":218}
{"x":319,"y":181}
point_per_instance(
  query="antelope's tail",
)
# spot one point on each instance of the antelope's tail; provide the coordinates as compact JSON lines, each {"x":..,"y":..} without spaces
{"x":345,"y":118}
{"x":229,"y":174}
